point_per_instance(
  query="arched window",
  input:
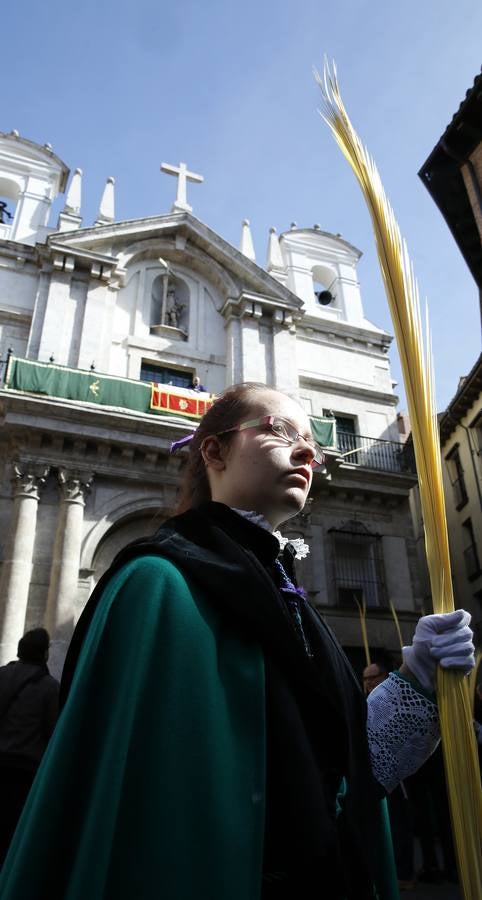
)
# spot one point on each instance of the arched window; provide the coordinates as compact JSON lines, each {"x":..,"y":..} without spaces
{"x":324,"y":279}
{"x":9,"y":192}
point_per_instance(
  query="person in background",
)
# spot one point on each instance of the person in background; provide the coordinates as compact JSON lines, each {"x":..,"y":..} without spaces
{"x":28,"y":713}
{"x":377,"y":671}
{"x":196,"y":385}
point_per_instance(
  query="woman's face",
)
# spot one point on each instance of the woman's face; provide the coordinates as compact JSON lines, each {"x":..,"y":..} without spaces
{"x":262,"y":472}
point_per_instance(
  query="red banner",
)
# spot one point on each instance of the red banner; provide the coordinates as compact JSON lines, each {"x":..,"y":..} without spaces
{"x":183,"y":402}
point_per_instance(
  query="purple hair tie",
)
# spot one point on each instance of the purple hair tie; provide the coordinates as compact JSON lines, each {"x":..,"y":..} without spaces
{"x":177,"y":444}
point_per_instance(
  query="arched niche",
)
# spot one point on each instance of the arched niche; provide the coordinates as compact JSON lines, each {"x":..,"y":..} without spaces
{"x":191,"y":257}
{"x":170,"y":301}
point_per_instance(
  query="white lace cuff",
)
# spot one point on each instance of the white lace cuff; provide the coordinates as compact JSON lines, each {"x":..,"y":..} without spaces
{"x":403,"y":730}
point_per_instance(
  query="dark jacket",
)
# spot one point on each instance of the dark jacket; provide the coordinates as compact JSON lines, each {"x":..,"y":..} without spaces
{"x":28,"y":713}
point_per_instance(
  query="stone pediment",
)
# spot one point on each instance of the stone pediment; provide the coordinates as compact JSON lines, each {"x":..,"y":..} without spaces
{"x":315,"y":240}
{"x":178,"y":238}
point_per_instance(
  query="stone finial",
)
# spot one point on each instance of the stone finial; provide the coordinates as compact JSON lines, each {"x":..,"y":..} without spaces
{"x":70,"y":218}
{"x":106,"y":208}
{"x":73,"y":199}
{"x":246,"y":245}
{"x":275,"y":259}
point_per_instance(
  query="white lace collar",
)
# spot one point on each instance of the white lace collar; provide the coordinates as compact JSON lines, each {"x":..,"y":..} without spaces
{"x":302,"y":549}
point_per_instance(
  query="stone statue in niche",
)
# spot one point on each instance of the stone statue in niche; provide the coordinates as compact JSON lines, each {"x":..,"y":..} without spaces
{"x":169,"y":304}
{"x":174,"y":309}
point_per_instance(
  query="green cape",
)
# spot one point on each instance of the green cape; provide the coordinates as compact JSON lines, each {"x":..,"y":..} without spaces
{"x":153,"y":783}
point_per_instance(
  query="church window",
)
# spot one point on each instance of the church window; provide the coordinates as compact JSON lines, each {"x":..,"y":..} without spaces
{"x":358,"y":566}
{"x":164,"y":375}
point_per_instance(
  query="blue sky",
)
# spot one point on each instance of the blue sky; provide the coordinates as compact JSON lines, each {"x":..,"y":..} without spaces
{"x":117,"y":88}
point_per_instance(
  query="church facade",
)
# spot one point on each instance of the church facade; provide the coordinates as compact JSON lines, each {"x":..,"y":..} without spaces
{"x":103,"y":329}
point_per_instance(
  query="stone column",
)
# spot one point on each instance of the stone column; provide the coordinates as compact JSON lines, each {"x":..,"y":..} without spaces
{"x":28,"y":478}
{"x":64,"y":574}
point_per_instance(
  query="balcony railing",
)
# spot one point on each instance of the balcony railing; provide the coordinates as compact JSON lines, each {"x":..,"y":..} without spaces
{"x":5,"y":231}
{"x":375,"y":453}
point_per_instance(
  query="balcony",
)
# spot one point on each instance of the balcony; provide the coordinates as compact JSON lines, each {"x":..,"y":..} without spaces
{"x":63,"y":382}
{"x":376,"y":453}
{"x":5,"y":231}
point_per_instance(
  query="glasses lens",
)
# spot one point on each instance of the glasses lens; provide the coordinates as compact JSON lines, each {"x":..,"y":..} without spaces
{"x":284,"y":430}
{"x":288,"y":432}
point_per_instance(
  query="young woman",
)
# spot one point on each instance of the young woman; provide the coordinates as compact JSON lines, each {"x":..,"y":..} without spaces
{"x":213,"y":742}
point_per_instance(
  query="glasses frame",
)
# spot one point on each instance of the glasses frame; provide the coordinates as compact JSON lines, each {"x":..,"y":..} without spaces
{"x":319,"y":457}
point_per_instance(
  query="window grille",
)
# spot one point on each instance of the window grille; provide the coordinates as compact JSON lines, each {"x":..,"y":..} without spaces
{"x":358,"y":566}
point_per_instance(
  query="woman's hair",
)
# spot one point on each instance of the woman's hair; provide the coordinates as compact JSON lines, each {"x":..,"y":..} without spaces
{"x":230,"y":408}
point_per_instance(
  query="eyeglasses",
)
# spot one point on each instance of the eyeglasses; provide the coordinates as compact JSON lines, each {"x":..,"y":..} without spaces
{"x":284,"y":430}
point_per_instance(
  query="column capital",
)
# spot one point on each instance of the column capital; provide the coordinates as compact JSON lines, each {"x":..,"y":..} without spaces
{"x":28,"y":478}
{"x":74,"y":485}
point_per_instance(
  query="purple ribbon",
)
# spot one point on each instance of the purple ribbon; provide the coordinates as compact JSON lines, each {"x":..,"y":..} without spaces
{"x":177,"y":444}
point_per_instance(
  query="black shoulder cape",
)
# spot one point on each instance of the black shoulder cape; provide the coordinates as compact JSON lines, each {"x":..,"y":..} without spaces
{"x":316,"y":712}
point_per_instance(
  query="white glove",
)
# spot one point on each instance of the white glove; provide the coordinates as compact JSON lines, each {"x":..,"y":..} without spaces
{"x":441,"y":639}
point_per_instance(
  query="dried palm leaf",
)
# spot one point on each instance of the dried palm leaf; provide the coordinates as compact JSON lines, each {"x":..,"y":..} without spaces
{"x":397,"y":623}
{"x":362,"y":612}
{"x":460,"y":752}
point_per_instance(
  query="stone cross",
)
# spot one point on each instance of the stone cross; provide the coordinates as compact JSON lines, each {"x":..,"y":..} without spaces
{"x":183,"y":175}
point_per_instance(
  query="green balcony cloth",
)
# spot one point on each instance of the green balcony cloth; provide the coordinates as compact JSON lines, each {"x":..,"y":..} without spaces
{"x":324,"y":431}
{"x":74,"y":384}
